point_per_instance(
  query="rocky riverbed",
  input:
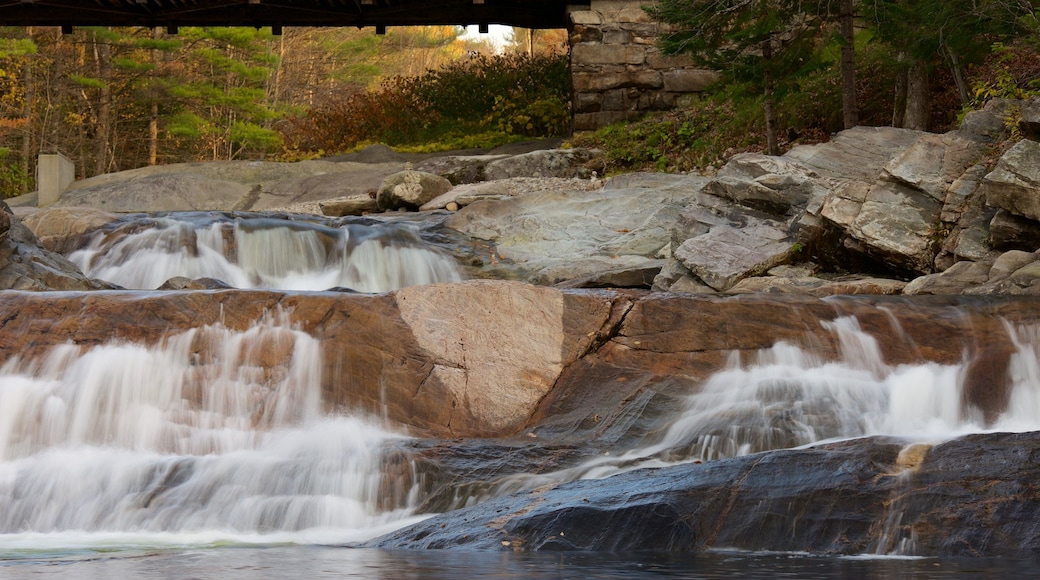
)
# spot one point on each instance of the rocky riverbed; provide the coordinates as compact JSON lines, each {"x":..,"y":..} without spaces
{"x":785,"y":355}
{"x":873,"y":211}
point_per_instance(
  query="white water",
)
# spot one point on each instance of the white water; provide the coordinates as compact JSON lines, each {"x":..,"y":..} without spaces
{"x":211,"y":437}
{"x":216,"y":437}
{"x":788,"y":397}
{"x":266,"y":254}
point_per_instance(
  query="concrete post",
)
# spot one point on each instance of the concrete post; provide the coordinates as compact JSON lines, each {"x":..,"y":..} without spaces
{"x":54,"y":174}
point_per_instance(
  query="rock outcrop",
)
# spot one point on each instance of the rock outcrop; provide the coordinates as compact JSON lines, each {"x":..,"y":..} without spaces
{"x":494,"y":358}
{"x":869,"y":496}
{"x":26,"y":265}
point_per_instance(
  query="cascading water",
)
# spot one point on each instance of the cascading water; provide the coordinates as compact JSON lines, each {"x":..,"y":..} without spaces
{"x":215,"y":436}
{"x":210,"y":436}
{"x":265,"y":253}
{"x":788,"y":397}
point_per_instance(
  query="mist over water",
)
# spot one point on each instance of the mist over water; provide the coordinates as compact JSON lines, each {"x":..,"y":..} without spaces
{"x":266,"y":253}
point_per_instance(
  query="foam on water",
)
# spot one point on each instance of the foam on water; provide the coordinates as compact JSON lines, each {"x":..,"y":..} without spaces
{"x":266,"y":253}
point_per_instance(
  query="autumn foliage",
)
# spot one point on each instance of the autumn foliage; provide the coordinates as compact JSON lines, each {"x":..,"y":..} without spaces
{"x":477,"y":101}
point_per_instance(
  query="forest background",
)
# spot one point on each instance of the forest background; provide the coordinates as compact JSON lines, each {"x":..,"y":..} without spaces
{"x":116,"y":99}
{"x":113,"y":99}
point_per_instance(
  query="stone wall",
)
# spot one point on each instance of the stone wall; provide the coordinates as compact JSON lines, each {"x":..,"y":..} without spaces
{"x":617,"y":69}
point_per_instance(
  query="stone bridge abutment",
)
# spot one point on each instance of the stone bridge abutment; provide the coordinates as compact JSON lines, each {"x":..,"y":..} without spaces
{"x":617,"y":70}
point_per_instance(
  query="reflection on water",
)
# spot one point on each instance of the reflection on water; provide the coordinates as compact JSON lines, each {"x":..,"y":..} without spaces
{"x":328,"y":562}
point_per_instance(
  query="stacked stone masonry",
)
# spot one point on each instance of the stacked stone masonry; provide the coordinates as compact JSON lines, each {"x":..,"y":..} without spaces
{"x":617,"y":69}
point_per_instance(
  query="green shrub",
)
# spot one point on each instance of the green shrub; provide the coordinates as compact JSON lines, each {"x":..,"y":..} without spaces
{"x":480,"y":99}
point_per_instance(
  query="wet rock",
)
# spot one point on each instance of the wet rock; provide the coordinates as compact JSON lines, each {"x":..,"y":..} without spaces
{"x":410,"y":190}
{"x":26,"y":265}
{"x":968,"y":497}
{"x":182,"y":283}
{"x":813,"y":286}
{"x":62,"y":229}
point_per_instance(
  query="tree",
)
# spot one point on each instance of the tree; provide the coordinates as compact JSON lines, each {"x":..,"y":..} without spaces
{"x":931,"y":33}
{"x":846,"y":24}
{"x":747,"y":39}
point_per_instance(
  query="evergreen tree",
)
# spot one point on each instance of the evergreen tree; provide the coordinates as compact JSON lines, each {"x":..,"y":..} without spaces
{"x":762,"y":41}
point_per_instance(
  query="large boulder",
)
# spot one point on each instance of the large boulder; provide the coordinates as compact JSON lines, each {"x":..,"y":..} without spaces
{"x":410,"y":189}
{"x":357,"y":204}
{"x":1015,"y":183}
{"x":726,"y":255}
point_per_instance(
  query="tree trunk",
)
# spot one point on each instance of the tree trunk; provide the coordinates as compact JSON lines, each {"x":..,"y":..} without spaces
{"x":899,"y":99}
{"x":153,"y":108}
{"x":849,"y":105}
{"x":103,"y":56}
{"x":772,"y":145}
{"x":27,"y":130}
{"x":958,"y":76}
{"x":918,"y":97}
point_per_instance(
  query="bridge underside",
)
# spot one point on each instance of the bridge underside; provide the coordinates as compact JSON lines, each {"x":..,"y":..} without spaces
{"x":278,"y":13}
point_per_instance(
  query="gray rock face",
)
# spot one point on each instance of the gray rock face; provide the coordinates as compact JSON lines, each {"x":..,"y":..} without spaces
{"x":410,"y":190}
{"x":725,"y":255}
{"x":555,"y":237}
{"x":1014,"y":184}
{"x":546,"y":163}
{"x":222,"y":185}
{"x":26,"y":265}
{"x":170,"y":192}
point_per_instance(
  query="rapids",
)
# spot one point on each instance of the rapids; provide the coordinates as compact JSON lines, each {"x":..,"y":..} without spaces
{"x":263,"y":253}
{"x":214,"y":436}
{"x":189,"y":441}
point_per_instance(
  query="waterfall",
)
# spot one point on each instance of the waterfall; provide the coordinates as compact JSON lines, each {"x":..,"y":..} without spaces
{"x":789,"y":397}
{"x":210,"y":436}
{"x":265,"y":253}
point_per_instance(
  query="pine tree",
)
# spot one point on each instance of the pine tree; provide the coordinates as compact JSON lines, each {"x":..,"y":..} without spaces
{"x":755,"y":40}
